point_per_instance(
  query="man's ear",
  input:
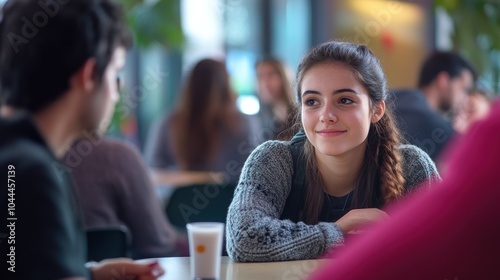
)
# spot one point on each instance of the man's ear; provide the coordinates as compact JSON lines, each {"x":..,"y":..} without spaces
{"x":84,"y":77}
{"x":378,"y":112}
{"x":442,"y":80}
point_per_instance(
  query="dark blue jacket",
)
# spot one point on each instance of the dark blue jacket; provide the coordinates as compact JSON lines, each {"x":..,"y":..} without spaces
{"x":419,"y":124}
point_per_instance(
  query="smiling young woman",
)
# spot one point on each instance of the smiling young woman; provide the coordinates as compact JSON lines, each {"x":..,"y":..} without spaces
{"x":298,"y":198}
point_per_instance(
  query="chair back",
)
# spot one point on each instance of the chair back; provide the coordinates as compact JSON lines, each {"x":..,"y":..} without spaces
{"x":107,"y":242}
{"x":199,"y":203}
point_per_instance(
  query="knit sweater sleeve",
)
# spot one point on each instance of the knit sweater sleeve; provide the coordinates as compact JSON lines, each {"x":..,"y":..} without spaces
{"x":419,"y":169}
{"x":254,"y":230}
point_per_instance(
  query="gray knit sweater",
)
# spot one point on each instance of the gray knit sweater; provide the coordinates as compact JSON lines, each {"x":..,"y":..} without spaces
{"x":254,"y":231}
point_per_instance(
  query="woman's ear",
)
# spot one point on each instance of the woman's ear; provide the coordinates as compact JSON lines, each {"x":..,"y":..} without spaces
{"x":378,"y":112}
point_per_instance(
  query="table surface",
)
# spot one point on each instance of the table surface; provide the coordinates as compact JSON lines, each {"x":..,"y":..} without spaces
{"x":178,"y":268}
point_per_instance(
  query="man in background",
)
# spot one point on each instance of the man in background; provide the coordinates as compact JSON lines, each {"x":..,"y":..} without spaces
{"x":423,"y":114}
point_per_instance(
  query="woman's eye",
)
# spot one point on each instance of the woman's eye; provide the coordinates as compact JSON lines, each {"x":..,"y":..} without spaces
{"x":346,"y":101}
{"x":310,"y":102}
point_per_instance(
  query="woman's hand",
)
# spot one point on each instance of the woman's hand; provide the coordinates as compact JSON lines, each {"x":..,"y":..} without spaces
{"x":126,"y":269}
{"x":357,"y":218}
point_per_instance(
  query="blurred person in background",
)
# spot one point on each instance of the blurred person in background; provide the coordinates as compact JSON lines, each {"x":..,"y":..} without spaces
{"x":55,"y":90}
{"x":206,"y":138}
{"x":275,"y":95}
{"x":296,"y":199}
{"x":114,"y":189}
{"x":474,"y":108}
{"x":424,"y":114}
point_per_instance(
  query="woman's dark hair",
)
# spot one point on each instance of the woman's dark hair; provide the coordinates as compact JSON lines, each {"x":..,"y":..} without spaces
{"x":207,"y":108}
{"x":43,"y":43}
{"x":380,"y":177}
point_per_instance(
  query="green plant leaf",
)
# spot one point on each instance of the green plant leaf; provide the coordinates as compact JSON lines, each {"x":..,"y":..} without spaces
{"x":157,"y":22}
{"x":473,"y":21}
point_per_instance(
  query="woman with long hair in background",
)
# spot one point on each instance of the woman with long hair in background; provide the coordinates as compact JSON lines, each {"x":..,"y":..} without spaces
{"x":205,"y":138}
{"x":276,"y":99}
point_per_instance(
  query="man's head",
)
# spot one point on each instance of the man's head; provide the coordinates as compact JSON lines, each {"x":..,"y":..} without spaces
{"x":451,"y":77}
{"x":50,"y":47}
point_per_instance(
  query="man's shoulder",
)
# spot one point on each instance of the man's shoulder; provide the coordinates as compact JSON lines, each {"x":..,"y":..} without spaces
{"x":415,"y":116}
{"x":24,"y":149}
{"x":21,"y":140}
{"x":409,"y":91}
{"x":33,"y":163}
{"x":404,"y":98}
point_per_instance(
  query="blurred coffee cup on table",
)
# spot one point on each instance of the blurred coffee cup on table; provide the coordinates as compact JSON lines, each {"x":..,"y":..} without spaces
{"x":205,"y":249}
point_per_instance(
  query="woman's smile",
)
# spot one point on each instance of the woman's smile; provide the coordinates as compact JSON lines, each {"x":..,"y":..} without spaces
{"x":330,"y":132}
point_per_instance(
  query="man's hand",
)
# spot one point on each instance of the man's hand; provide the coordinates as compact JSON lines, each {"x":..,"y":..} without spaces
{"x":126,"y":269}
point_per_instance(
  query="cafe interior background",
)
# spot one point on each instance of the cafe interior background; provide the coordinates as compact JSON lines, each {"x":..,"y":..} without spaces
{"x":171,"y":35}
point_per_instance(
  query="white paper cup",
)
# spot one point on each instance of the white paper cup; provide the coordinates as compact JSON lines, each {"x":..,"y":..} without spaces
{"x":205,"y":249}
